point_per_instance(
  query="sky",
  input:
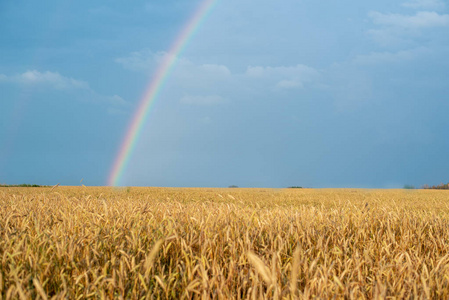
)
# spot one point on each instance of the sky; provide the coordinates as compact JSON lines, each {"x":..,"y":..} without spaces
{"x":265,"y":93}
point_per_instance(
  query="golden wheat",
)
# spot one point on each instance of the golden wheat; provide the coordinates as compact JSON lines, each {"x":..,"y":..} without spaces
{"x":161,"y":243}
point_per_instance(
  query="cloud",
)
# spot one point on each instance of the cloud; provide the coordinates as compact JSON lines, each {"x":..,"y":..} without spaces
{"x":216,"y":69}
{"x":204,"y":84}
{"x":422,"y":19}
{"x":289,"y":84}
{"x":117,"y":100}
{"x":407,"y":30}
{"x":138,"y":61}
{"x":202,"y":100}
{"x":50,"y":79}
{"x":147,"y":60}
{"x":424,"y":4}
{"x":289,"y":71}
{"x":47,"y":81}
{"x":186,"y":71}
{"x":389,"y":57}
{"x":284,"y":77}
{"x":116,"y":111}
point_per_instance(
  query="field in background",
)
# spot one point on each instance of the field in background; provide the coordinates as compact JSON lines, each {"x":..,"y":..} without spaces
{"x":78,"y":242}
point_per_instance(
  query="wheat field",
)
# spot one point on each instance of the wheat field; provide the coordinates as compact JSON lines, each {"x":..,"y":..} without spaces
{"x":168,"y":243}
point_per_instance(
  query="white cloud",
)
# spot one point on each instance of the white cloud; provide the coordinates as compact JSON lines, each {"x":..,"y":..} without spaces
{"x":55,"y":81}
{"x":284,"y":77}
{"x":115,"y":111}
{"x":424,"y":4}
{"x":202,"y":100}
{"x":389,"y":57}
{"x":256,"y":71}
{"x":387,"y":37}
{"x":406,"y":31}
{"x":117,"y":100}
{"x":188,"y":76}
{"x":138,"y":61}
{"x":289,"y":84}
{"x":289,"y":71}
{"x":422,"y":19}
{"x":217,"y":69}
{"x":210,"y":81}
{"x":51,"y":79}
{"x":147,"y":60}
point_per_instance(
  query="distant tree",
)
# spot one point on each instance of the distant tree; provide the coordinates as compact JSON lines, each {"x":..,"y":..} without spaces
{"x":409,"y":187}
{"x":295,"y":187}
{"x":21,"y":185}
{"x":441,"y":186}
{"x":233,"y":186}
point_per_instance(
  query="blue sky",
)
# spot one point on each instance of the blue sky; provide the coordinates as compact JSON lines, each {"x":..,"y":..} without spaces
{"x":266,"y":93}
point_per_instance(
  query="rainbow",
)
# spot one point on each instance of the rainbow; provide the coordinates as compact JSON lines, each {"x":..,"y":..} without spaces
{"x":154,"y":87}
